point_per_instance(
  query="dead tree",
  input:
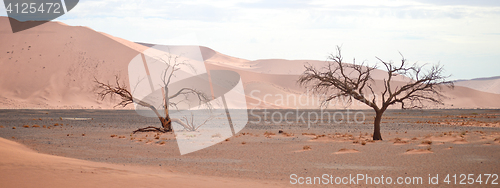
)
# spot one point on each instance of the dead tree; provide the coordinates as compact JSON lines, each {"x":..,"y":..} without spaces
{"x":339,"y":79}
{"x":172,"y":66}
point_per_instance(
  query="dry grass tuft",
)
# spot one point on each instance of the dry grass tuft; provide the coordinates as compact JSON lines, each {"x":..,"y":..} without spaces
{"x":227,"y":140}
{"x":26,"y":126}
{"x":56,"y":124}
{"x":399,"y":141}
{"x":306,"y":147}
{"x":268,"y":134}
{"x":310,"y":134}
{"x":13,"y":127}
{"x":289,"y":134}
{"x":121,"y":137}
{"x":83,"y":134}
{"x":319,"y":136}
{"x":44,"y":126}
{"x":428,"y":142}
{"x":363,"y":143}
{"x":1,"y":126}
{"x":162,"y":143}
{"x":113,"y":135}
{"x":36,"y":126}
{"x":345,"y":150}
{"x":243,"y":143}
{"x":497,"y":139}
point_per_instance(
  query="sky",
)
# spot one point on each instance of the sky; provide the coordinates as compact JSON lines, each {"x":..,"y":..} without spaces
{"x":462,"y":35}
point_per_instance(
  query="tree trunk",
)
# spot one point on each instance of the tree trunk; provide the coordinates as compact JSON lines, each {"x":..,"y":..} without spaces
{"x":166,"y":123}
{"x":376,"y":130}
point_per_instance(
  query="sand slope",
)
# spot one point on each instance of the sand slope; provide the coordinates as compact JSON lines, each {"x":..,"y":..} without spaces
{"x":490,"y":85}
{"x":22,"y":167}
{"x":53,"y":65}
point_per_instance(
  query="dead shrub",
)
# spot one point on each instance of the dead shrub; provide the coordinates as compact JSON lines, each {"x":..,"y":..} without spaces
{"x":428,"y":142}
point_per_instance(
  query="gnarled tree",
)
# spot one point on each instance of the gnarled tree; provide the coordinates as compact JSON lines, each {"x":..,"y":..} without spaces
{"x":339,"y":79}
{"x":172,"y":67}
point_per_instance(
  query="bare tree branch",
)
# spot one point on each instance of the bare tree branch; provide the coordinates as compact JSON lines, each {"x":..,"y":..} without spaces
{"x":338,"y":79}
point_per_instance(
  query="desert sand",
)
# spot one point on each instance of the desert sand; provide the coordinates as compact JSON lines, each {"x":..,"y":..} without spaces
{"x":86,"y":147}
{"x":23,"y":167}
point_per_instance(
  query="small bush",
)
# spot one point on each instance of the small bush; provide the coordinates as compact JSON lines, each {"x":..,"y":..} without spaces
{"x":268,"y":134}
{"x":113,"y":135}
{"x":306,"y":147}
{"x":363,"y":143}
{"x":36,"y":126}
{"x":13,"y":127}
{"x":428,"y":142}
{"x":26,"y":126}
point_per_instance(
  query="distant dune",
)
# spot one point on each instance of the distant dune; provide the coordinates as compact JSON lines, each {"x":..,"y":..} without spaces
{"x":53,"y":66}
{"x":490,"y":85}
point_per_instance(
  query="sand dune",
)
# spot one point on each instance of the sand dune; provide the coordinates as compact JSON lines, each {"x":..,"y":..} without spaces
{"x":22,"y":167}
{"x":53,"y":66}
{"x":490,"y":85}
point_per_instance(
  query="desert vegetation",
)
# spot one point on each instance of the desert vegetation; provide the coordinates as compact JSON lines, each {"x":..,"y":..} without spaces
{"x":339,"y":79}
{"x":173,"y":66}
